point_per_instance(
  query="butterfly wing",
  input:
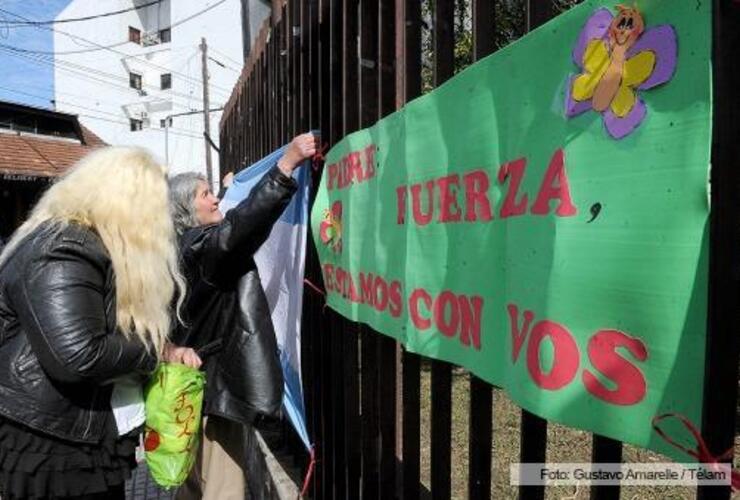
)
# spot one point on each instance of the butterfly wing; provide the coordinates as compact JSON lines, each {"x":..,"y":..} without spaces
{"x":639,"y":68}
{"x":595,"y":63}
{"x":596,"y":28}
{"x":573,"y":107}
{"x":619,"y":127}
{"x":623,"y":102}
{"x":636,"y":71}
{"x":662,"y":42}
{"x":581,"y":87}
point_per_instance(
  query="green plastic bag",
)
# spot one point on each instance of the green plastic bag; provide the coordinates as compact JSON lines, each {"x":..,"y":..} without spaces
{"x":173,"y":403}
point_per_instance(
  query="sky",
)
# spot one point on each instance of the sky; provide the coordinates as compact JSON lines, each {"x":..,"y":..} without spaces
{"x":20,"y":74}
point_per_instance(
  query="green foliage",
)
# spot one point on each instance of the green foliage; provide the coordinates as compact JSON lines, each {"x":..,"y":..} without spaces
{"x":509,"y":19}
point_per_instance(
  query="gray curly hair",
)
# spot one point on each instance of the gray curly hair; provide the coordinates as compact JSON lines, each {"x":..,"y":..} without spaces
{"x":182,"y":199}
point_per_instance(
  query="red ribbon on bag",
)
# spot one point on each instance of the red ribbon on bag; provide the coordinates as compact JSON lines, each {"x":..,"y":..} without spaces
{"x":701,"y":452}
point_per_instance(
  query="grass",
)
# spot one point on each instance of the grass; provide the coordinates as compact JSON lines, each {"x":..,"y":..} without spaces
{"x":564,"y":444}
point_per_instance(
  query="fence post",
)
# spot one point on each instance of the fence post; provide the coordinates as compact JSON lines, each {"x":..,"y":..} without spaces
{"x":368,"y":50}
{"x":534,"y":428}
{"x":387,"y":347}
{"x":408,"y":86}
{"x":441,"y":397}
{"x":481,"y":393}
{"x":348,"y":105}
{"x":723,"y":342}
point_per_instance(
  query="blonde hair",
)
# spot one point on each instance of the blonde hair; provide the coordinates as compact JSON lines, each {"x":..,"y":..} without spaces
{"x":121,"y":193}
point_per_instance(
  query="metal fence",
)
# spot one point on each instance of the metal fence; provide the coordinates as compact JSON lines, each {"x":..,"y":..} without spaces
{"x":339,"y":66}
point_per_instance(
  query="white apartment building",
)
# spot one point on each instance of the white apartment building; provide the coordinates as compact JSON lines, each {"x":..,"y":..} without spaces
{"x":136,"y":77}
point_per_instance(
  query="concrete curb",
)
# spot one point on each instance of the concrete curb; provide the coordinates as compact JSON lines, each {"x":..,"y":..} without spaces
{"x":266,"y":477}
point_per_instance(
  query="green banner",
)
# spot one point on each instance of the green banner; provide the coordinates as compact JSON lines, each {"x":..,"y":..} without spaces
{"x":541,"y":219}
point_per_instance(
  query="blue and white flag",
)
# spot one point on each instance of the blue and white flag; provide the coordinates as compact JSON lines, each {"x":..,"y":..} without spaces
{"x":280,"y":263}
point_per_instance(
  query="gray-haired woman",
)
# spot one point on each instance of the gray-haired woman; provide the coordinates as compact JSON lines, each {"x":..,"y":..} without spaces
{"x":216,"y":253}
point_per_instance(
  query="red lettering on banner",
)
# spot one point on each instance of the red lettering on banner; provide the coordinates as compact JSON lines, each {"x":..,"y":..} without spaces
{"x":333,"y":173}
{"x":451,"y":314}
{"x":444,"y":303}
{"x":355,"y":167}
{"x":629,"y":382}
{"x":396,"y":301}
{"x":421,"y":218}
{"x":344,"y":173}
{"x":628,"y":385}
{"x":366,"y":289}
{"x":328,"y":277}
{"x":518,"y":335}
{"x":476,"y":195}
{"x":514,"y":171}
{"x":353,"y":297}
{"x":472,"y":311}
{"x":340,"y":276}
{"x":449,"y":209}
{"x":440,"y":197}
{"x":565,"y":359}
{"x":381,"y":294}
{"x":419,"y":321}
{"x":401,"y":204}
{"x":370,"y":161}
{"x":555,"y":187}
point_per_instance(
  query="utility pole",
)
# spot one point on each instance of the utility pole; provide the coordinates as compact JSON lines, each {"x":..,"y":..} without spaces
{"x":246,"y":31}
{"x":168,"y":124}
{"x":206,"y":115}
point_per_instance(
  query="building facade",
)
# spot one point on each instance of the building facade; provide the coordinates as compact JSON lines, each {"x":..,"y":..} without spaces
{"x":36,"y":146}
{"x":136,"y":77}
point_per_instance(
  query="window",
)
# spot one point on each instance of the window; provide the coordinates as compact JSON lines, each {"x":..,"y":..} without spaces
{"x":165,"y":35}
{"x":134,"y":35}
{"x":166,"y":81}
{"x":134,"y":81}
{"x":136,"y":124}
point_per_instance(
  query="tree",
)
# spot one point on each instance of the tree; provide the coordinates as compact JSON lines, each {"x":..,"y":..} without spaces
{"x":510,"y":18}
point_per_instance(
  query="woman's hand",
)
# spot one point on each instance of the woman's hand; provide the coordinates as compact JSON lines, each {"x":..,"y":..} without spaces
{"x":228,"y":179}
{"x":300,"y":148}
{"x":184,"y":355}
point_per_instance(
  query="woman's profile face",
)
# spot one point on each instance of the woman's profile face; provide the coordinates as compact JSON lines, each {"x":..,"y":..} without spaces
{"x":206,"y":205}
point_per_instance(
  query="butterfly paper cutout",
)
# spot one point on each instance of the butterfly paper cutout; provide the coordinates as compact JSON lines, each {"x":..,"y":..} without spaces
{"x":619,"y":58}
{"x":330,"y":230}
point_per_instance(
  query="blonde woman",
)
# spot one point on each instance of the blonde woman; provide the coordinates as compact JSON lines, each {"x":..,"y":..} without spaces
{"x":86,"y":287}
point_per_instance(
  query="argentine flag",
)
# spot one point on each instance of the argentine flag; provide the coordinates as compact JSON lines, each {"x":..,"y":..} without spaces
{"x":280,"y":263}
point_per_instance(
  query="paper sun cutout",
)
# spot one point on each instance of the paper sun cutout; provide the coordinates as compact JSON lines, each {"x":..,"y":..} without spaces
{"x":619,"y":57}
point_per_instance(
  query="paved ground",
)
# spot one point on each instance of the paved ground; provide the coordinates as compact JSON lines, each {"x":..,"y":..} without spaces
{"x":141,"y":486}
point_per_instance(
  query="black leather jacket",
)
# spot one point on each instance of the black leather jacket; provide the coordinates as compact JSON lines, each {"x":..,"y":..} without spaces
{"x":59,"y":347}
{"x":215,"y":258}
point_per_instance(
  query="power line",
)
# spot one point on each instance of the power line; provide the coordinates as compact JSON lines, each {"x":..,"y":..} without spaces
{"x":52,"y":53}
{"x":227,"y":57}
{"x":101,"y":47}
{"x":237,"y":66}
{"x":191,"y":136}
{"x":87,"y":73}
{"x":224,"y":66}
{"x":87,"y":18}
{"x":99,"y":111}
